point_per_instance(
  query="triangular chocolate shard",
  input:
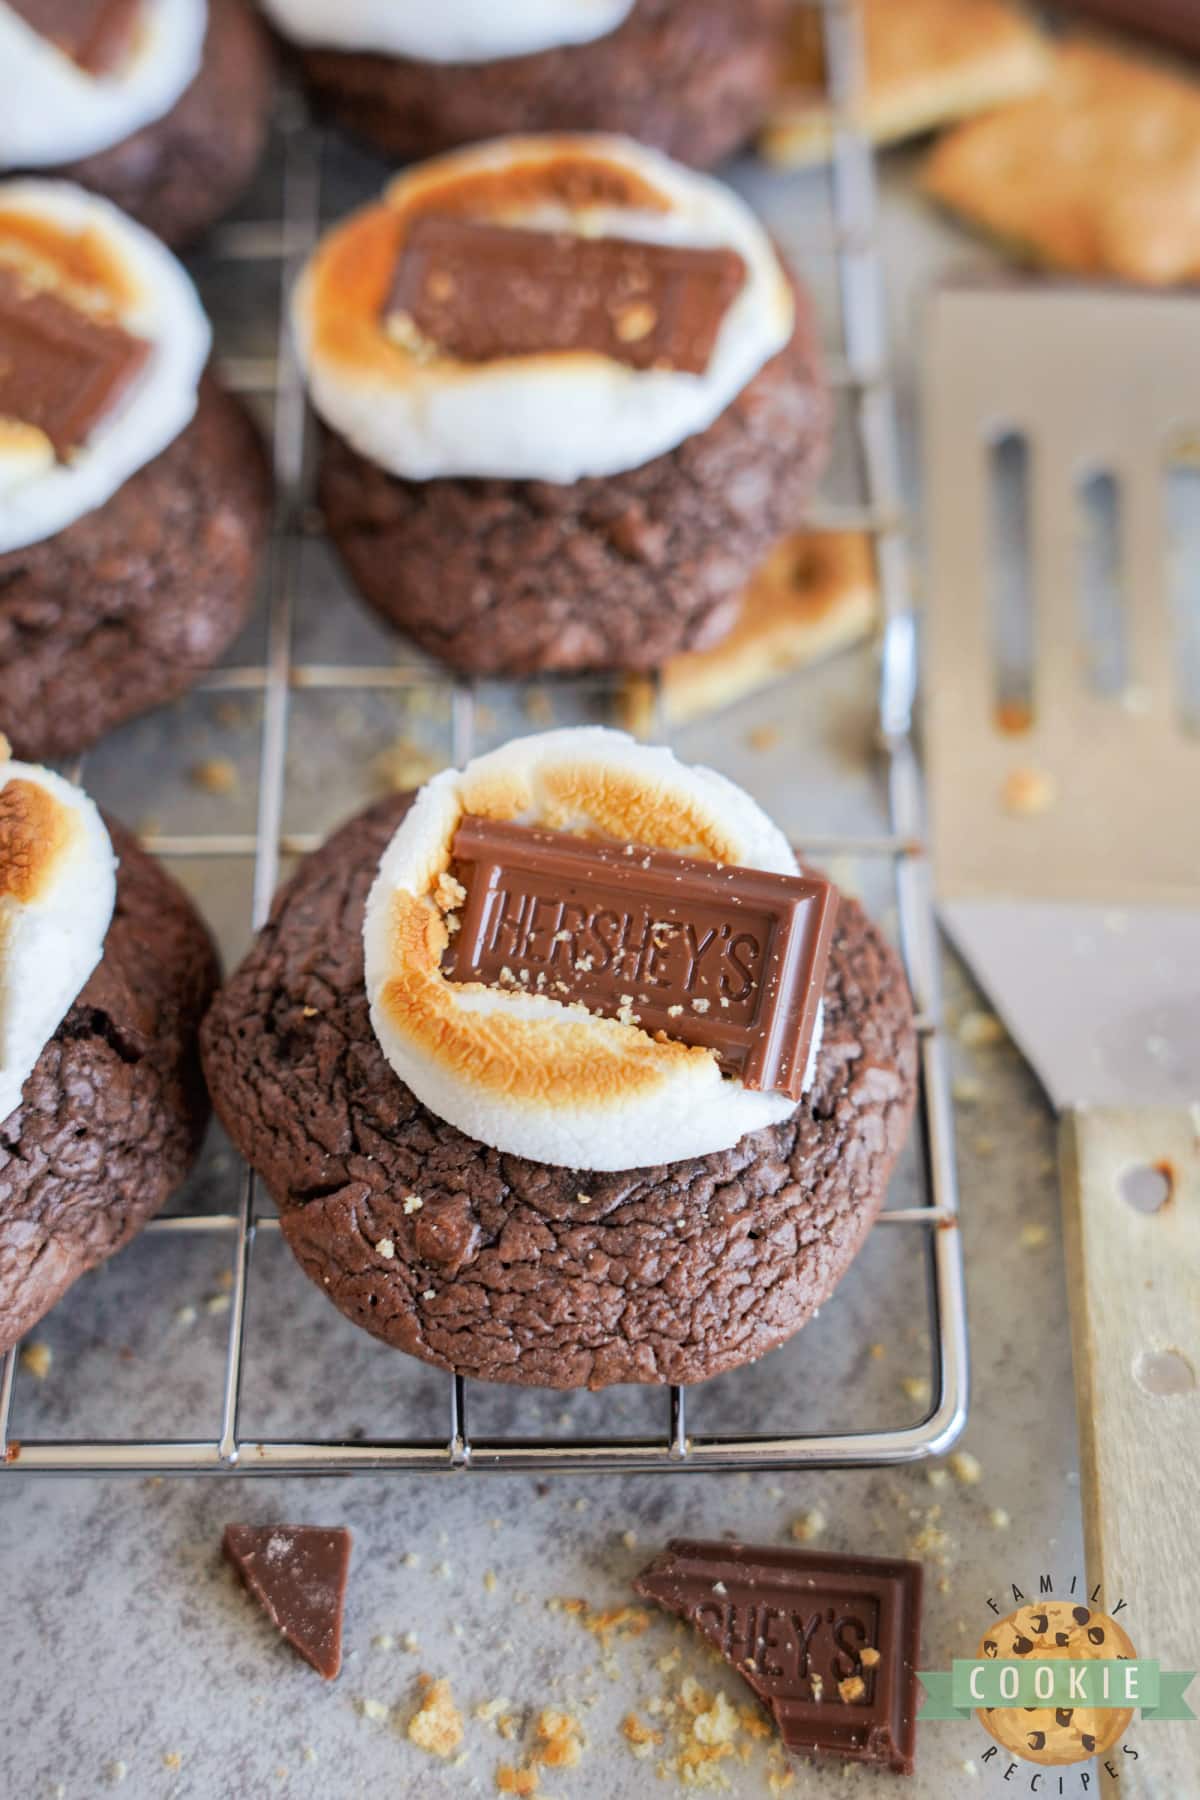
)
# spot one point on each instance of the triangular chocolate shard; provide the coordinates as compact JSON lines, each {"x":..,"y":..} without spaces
{"x":298,"y":1575}
{"x":829,"y":1643}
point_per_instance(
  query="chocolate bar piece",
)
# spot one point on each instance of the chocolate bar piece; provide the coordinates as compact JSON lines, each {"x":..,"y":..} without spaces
{"x":728,"y":958}
{"x":60,"y":369}
{"x":479,"y":291}
{"x":829,"y":1643}
{"x":298,"y":1574}
{"x":96,"y":34}
{"x":1174,"y":21}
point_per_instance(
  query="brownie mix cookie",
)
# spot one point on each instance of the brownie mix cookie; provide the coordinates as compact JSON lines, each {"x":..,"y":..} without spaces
{"x":692,"y":77}
{"x":105,"y":970}
{"x":562,"y":1074}
{"x":160,"y":105}
{"x":572,"y":397}
{"x":133,"y":490}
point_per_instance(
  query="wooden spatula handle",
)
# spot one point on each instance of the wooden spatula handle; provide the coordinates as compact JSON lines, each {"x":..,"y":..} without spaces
{"x":1131,"y":1220}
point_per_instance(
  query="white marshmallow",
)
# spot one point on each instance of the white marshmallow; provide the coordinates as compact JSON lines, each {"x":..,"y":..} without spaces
{"x":588,"y":1092}
{"x":562,"y":417}
{"x":52,"y":111}
{"x":50,"y":942}
{"x":39,"y":496}
{"x":452,"y":31}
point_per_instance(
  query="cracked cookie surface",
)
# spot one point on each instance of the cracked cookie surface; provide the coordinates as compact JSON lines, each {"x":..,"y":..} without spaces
{"x":615,"y":572}
{"x":113,"y":1112}
{"x":180,"y":173}
{"x":126,"y":608}
{"x":508,"y":1270}
{"x":691,"y":77}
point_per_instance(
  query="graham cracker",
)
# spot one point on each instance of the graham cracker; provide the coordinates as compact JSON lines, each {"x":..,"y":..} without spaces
{"x":1099,"y":174}
{"x":815,"y":593}
{"x":928,"y":63}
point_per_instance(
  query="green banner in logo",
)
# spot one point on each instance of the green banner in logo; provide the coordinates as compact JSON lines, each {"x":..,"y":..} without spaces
{"x":1106,"y":1683}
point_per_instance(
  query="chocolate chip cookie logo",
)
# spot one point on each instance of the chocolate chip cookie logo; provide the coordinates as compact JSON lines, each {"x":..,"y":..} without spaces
{"x":1056,"y":1682}
{"x":1057,"y":1633}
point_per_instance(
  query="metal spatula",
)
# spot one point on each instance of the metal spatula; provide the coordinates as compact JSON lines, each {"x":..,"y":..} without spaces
{"x":1064,"y":757}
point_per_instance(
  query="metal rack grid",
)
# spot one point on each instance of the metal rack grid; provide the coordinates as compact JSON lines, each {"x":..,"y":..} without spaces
{"x":863,"y":376}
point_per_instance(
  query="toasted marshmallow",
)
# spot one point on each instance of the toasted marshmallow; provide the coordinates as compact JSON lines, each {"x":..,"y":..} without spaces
{"x":82,"y":249}
{"x":454,"y":31}
{"x":554,"y":416}
{"x":522,"y":1071}
{"x":58,"y":887}
{"x":52,"y":111}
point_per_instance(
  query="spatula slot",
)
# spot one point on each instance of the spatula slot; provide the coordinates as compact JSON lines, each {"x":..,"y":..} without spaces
{"x":1102,"y":584}
{"x":1183,"y":570}
{"x":1010,"y":581}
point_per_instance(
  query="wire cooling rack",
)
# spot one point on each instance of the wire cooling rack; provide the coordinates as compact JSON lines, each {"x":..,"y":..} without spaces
{"x":246,"y":1229}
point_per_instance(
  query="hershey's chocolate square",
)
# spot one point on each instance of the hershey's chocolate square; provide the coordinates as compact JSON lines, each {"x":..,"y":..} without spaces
{"x":60,"y":369}
{"x":728,"y":958}
{"x":830,"y":1643}
{"x":479,"y":291}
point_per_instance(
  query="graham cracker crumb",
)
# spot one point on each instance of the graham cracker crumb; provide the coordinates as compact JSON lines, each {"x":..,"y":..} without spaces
{"x":763,"y":737}
{"x":489,"y":1580}
{"x":642,"y":1739}
{"x":852,"y":1689}
{"x":809,"y":1526}
{"x":413,"y":1203}
{"x":1033,"y":1237}
{"x":917,"y":1388}
{"x":521,"y":1782}
{"x":937,"y":1477}
{"x":36,"y":1358}
{"x":537,"y":707}
{"x":1027,"y":792}
{"x":965,"y":1468}
{"x":559,"y":1739}
{"x":868,"y":1656}
{"x":998,"y":1519}
{"x":172,"y":1759}
{"x":448,"y":893}
{"x":437,"y":1724}
{"x":980,"y":1030}
{"x":488,"y":1711}
{"x":402,"y":765}
{"x":385,"y":1248}
{"x":383,"y":1641}
{"x":374,"y":1709}
{"x":215,"y":775}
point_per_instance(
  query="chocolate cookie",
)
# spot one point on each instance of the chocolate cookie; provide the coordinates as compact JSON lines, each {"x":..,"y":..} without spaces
{"x":127,"y":607}
{"x":115,"y":1108}
{"x":178,"y":175}
{"x":510,"y":1270}
{"x":527,"y":577}
{"x":692,"y":77}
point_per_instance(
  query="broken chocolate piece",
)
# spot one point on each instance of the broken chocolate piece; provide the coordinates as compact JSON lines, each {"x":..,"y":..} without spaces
{"x":794,"y":1624}
{"x":298,"y":1574}
{"x":728,"y":958}
{"x":479,"y":291}
{"x":95,"y":34}
{"x":61,"y":370}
